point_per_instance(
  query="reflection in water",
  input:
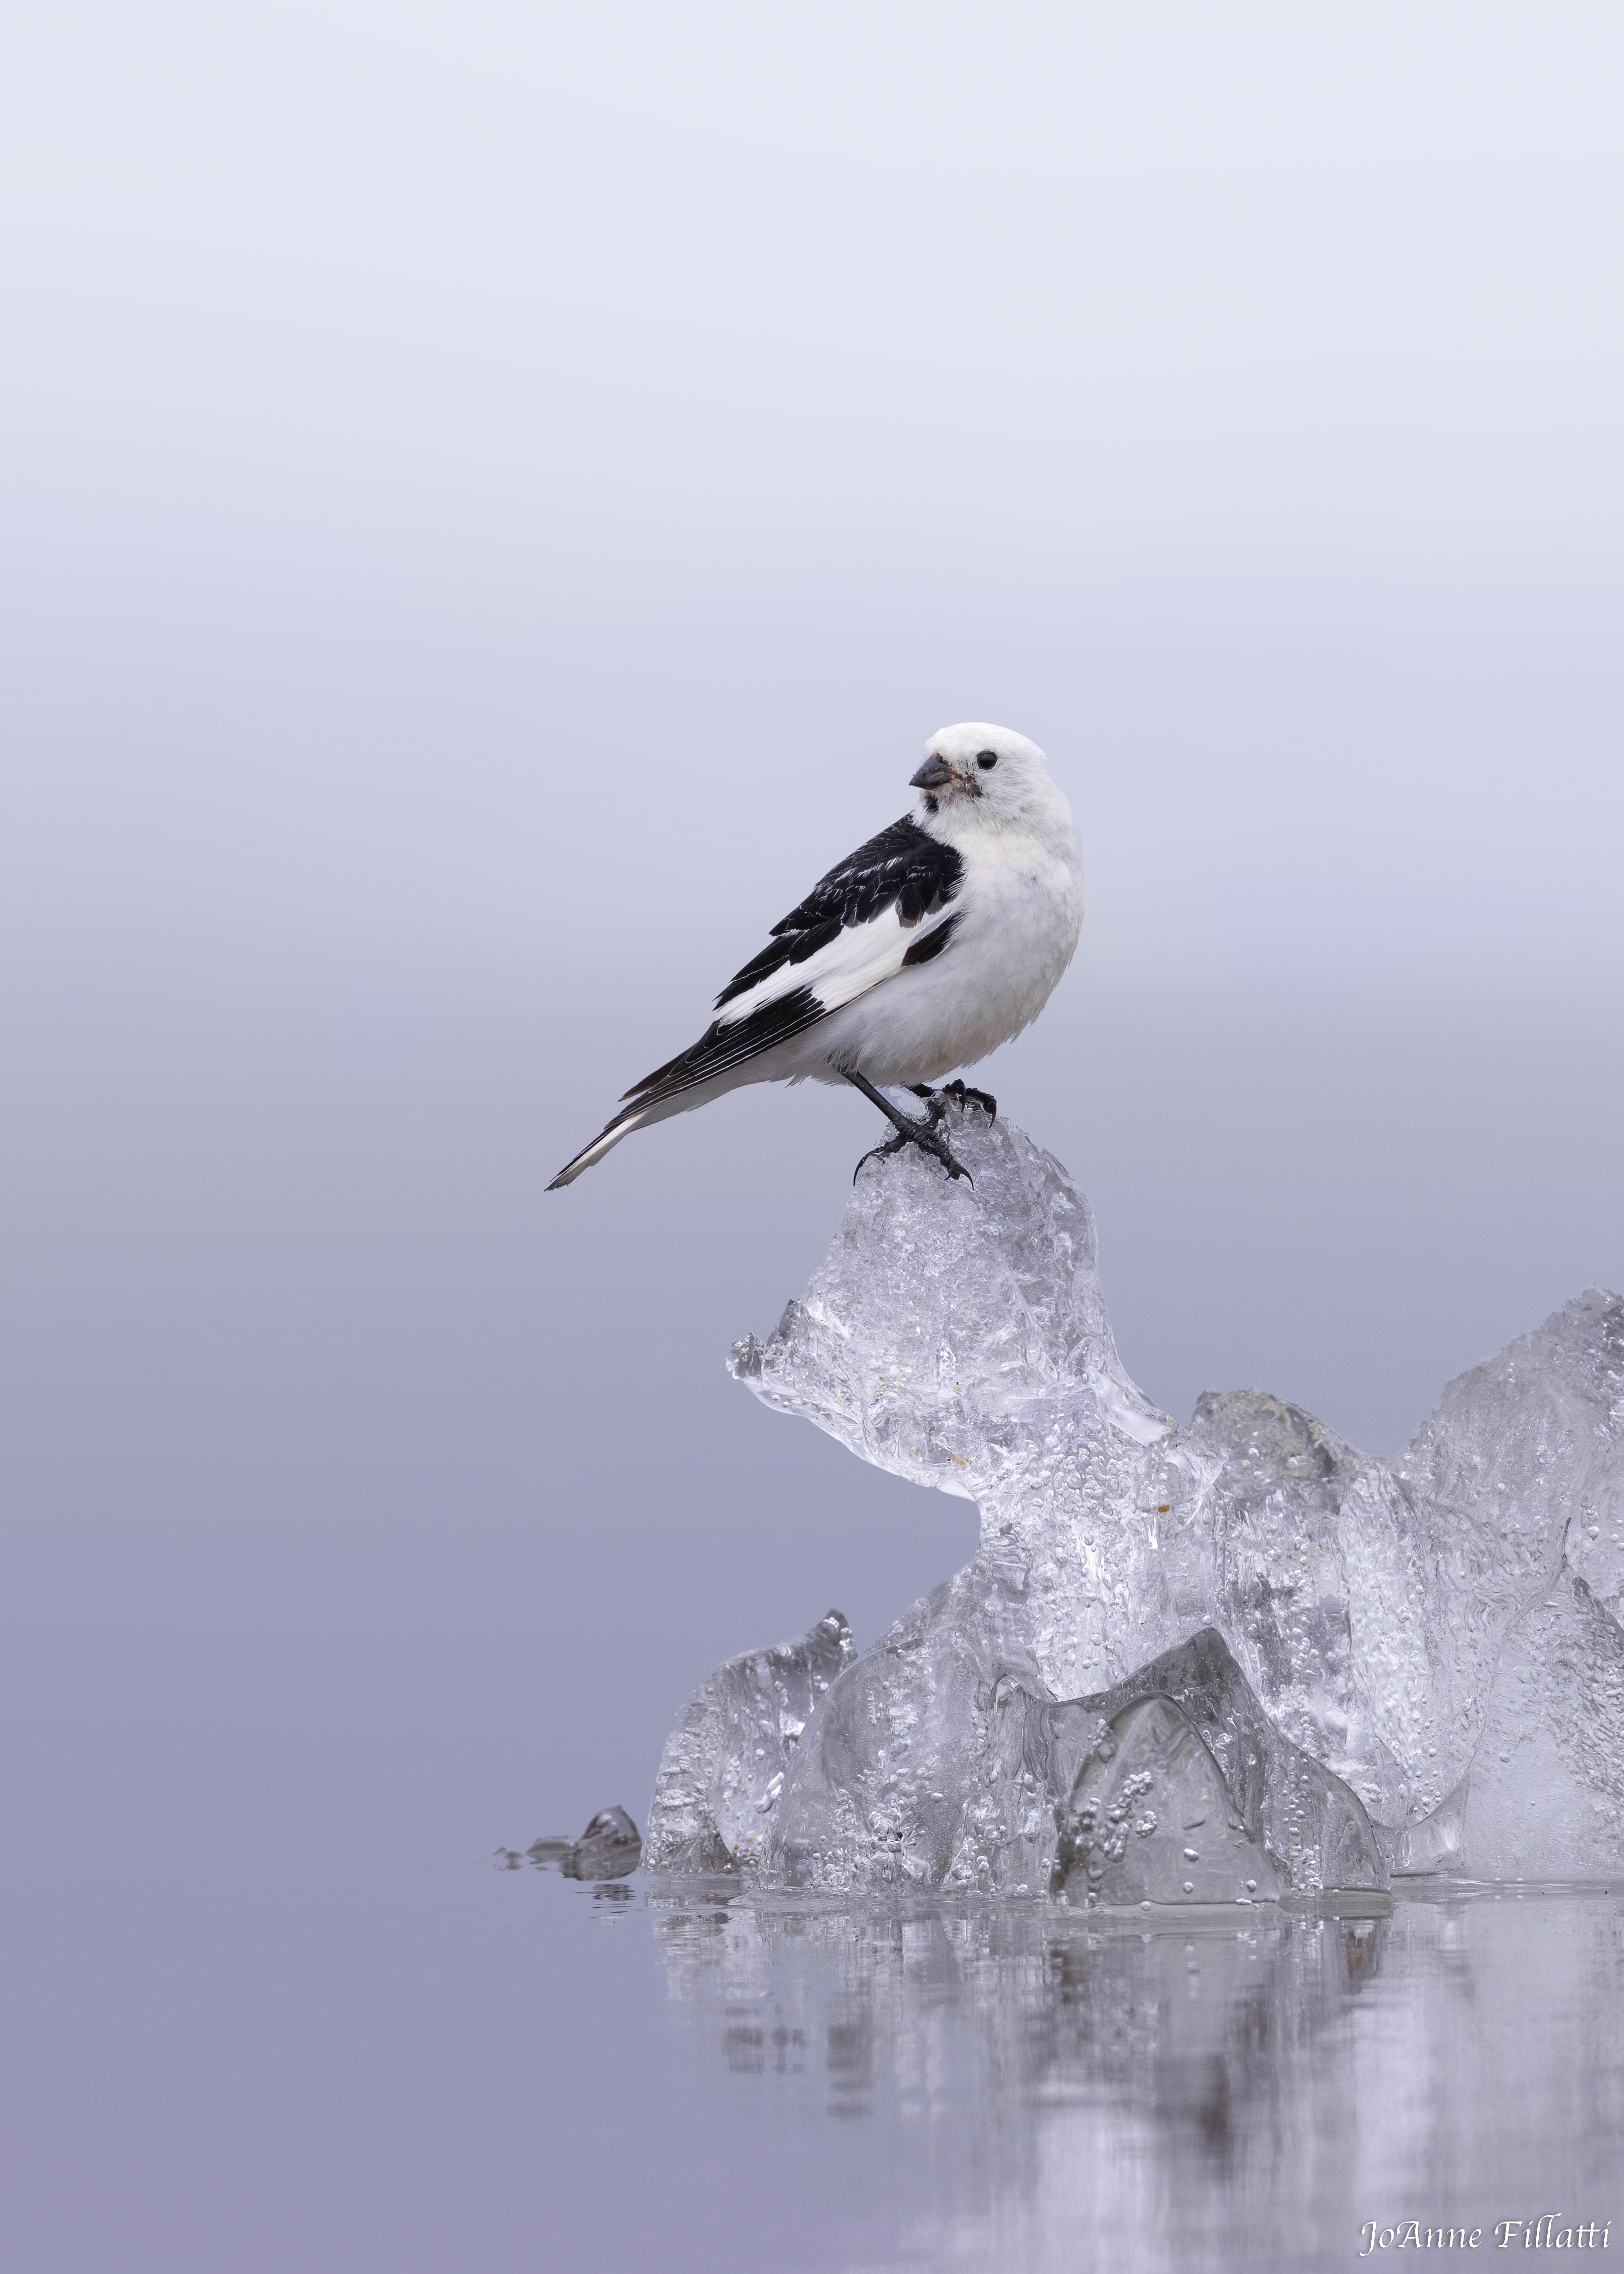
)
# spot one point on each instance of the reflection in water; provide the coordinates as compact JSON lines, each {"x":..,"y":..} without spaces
{"x":1060,"y":2089}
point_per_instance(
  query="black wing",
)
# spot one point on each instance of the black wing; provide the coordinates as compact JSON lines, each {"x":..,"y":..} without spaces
{"x":904,"y":865}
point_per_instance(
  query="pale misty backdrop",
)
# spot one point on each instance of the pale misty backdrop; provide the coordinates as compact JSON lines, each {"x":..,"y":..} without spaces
{"x":496,"y":501}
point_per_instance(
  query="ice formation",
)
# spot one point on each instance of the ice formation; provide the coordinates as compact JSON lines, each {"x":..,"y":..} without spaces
{"x":726,"y":1758}
{"x":609,"y":1848}
{"x":1418,"y":1665}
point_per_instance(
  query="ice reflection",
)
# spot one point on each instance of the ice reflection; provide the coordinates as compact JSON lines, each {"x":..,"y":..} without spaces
{"x":1058,"y":2089}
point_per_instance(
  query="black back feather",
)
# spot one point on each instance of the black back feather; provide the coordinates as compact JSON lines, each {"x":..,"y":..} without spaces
{"x":903,"y":865}
{"x":719,"y":1049}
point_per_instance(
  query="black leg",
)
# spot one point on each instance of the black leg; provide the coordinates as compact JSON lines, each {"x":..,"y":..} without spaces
{"x":923,"y":1134}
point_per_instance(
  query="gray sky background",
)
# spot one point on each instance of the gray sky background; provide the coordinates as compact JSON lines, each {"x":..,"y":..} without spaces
{"x":494,"y":501}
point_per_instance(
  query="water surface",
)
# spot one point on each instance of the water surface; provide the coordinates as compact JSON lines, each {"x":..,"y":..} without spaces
{"x":270,"y":2009}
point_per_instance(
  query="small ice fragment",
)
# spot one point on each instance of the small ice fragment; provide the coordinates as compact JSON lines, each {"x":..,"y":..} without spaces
{"x":609,"y":1848}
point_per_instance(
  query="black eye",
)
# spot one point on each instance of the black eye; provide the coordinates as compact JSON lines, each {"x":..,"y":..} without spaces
{"x":987,"y":760}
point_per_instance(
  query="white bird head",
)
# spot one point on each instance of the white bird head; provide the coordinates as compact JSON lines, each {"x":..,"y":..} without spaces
{"x":978,"y":774}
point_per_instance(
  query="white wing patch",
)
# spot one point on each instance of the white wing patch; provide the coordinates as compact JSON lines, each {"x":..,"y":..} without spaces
{"x":862,"y":956}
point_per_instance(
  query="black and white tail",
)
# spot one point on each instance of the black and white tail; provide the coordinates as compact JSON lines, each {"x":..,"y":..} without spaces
{"x":620,"y":1126}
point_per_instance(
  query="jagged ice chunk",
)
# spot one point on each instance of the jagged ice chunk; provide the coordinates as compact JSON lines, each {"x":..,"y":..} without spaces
{"x":1428,"y":1647}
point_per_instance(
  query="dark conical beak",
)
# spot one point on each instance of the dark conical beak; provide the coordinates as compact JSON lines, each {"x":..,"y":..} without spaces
{"x":932,"y":774}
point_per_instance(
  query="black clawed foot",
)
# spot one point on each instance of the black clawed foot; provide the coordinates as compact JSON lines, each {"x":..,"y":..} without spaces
{"x":962,"y":1096}
{"x":923,"y":1134}
{"x":927,"y":1143}
{"x":925,"y":1137}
